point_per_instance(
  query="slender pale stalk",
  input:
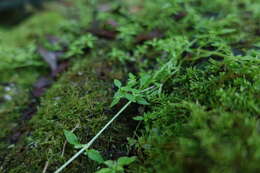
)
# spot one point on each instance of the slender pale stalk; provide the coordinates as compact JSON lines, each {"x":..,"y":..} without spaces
{"x":93,"y":139}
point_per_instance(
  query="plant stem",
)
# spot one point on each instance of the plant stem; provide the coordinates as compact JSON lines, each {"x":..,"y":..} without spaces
{"x":93,"y":139}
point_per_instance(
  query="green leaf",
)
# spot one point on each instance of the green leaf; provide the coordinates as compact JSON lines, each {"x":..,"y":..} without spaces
{"x":95,"y":155}
{"x":145,"y":77}
{"x":126,"y":89}
{"x":118,"y":169}
{"x":123,"y":161}
{"x":109,"y":163}
{"x":131,"y":80}
{"x":138,"y":118}
{"x":114,"y":102}
{"x":71,"y":137}
{"x":117,"y":83}
{"x":105,"y":170}
{"x":142,"y":101}
{"x":135,"y":91}
{"x":129,"y":97}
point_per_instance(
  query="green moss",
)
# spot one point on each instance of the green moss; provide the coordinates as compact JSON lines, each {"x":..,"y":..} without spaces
{"x":204,"y":116}
{"x":81,"y":97}
{"x":18,"y":45}
{"x":21,"y":66}
{"x":206,"y":123}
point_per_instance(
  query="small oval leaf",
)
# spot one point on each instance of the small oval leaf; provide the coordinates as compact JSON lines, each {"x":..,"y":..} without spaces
{"x":71,"y":137}
{"x":95,"y":155}
{"x":123,"y":161}
{"x":117,"y":83}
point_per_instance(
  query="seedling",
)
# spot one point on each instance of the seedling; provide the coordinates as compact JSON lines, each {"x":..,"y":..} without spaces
{"x":112,"y":166}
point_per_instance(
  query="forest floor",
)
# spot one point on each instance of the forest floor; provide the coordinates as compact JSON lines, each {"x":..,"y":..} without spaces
{"x":187,"y":72}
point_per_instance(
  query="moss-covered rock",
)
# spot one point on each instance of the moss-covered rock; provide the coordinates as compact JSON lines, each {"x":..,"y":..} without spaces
{"x":80,"y":98}
{"x":200,"y":63}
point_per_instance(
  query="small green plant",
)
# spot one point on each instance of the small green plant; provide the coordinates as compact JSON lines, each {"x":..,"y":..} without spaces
{"x":76,"y":47}
{"x":117,"y":166}
{"x":86,"y":146}
{"x":119,"y":55}
{"x":112,"y":166}
{"x":129,"y":92}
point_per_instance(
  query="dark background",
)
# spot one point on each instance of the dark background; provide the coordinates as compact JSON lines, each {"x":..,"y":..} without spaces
{"x":12,"y":12}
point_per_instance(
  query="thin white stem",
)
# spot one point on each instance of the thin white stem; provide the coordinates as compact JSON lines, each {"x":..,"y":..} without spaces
{"x":93,"y":139}
{"x":45,"y":167}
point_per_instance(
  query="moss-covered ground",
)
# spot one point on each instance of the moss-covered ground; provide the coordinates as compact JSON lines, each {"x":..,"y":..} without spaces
{"x":194,"y":85}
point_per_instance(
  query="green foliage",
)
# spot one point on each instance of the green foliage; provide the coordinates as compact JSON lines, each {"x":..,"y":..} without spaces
{"x":72,"y":139}
{"x":94,"y":155}
{"x":208,"y":116}
{"x":203,"y":109}
{"x":117,"y":166}
{"x":18,"y":46}
{"x":129,"y":92}
{"x":77,"y":46}
{"x":196,"y":85}
{"x":112,"y":166}
{"x":119,"y":55}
